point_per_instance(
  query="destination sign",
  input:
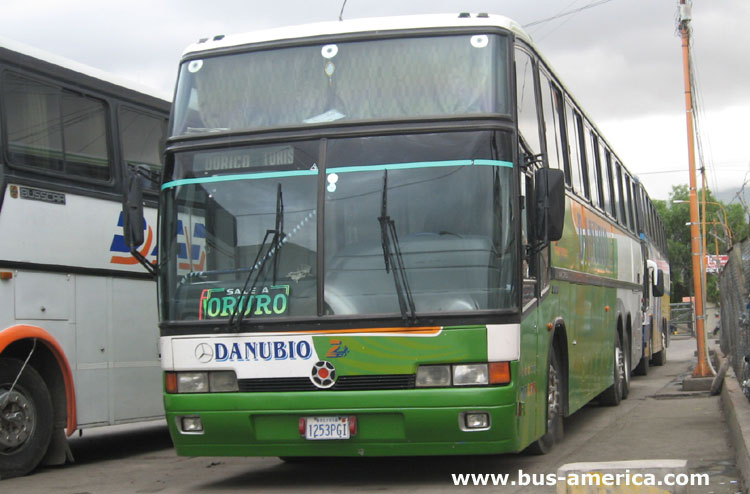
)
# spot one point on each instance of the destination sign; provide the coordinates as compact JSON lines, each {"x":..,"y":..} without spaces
{"x":243,"y":158}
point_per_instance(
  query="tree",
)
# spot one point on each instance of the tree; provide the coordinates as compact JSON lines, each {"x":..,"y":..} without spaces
{"x":676,"y":218}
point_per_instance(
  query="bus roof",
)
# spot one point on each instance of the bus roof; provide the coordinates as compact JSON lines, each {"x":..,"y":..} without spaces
{"x":15,"y":47}
{"x":364,"y":25}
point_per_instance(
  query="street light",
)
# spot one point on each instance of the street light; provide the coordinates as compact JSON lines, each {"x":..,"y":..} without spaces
{"x":726,"y":220}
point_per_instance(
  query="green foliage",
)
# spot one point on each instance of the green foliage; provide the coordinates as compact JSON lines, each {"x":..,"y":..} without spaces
{"x":676,"y":218}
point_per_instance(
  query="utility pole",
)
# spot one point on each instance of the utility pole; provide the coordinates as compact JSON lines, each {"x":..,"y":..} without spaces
{"x":702,"y":369}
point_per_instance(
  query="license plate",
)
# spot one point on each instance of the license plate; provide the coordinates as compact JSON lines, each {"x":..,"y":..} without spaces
{"x":320,"y":428}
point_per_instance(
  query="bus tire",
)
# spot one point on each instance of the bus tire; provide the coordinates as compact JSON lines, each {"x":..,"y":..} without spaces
{"x":643,"y":365}
{"x":613,"y":394}
{"x":660,"y":357}
{"x":554,"y":411}
{"x":25,"y":419}
{"x":626,"y":373}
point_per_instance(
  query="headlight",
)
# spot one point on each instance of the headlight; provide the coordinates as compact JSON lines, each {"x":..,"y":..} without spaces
{"x":433,"y":375}
{"x":201,"y":382}
{"x":192,"y":382}
{"x":470,"y":375}
{"x":222,"y":381}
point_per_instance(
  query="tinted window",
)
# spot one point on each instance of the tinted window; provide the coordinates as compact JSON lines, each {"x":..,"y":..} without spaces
{"x":551,"y":121}
{"x":142,"y":139}
{"x":595,"y":169}
{"x":56,"y":130}
{"x":528,"y":120}
{"x":620,"y":196}
{"x":417,"y":77}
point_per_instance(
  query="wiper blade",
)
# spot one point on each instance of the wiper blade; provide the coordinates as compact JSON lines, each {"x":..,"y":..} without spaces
{"x":276,"y":243}
{"x":393,"y":259}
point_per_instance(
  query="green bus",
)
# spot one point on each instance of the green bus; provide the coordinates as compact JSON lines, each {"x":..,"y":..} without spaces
{"x":404,"y":238}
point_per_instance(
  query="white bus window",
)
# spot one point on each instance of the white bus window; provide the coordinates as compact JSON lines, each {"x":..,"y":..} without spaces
{"x":551,"y":121}
{"x":85,"y":137}
{"x":574,"y":158}
{"x":55,"y":130}
{"x":620,"y":195}
{"x":595,"y":168}
{"x":528,"y":119}
{"x":585,"y":170}
{"x":142,"y":139}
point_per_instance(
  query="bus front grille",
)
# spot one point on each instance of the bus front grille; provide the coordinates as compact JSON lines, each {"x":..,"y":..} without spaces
{"x":344,"y":383}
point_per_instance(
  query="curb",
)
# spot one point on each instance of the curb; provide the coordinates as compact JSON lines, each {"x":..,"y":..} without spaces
{"x":737,"y":414}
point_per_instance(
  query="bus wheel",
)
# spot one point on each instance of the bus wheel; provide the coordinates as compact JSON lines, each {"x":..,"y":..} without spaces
{"x":660,"y":358}
{"x":613,"y":394}
{"x":643,"y":365}
{"x":625,"y":369}
{"x":25,"y":419}
{"x":555,"y":390}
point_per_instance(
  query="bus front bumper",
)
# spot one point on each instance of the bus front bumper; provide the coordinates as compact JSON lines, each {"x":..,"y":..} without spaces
{"x":388,"y":423}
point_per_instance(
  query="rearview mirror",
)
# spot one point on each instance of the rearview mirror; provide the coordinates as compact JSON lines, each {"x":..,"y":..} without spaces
{"x":658,"y":287}
{"x":133,"y":221}
{"x":550,"y":204}
{"x":132,"y":210}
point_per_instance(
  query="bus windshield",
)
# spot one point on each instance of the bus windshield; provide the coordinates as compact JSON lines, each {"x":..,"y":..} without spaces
{"x":422,"y":236}
{"x":385,"y":79}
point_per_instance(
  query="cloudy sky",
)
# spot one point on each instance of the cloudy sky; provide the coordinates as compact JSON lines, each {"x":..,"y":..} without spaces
{"x":621,"y":59}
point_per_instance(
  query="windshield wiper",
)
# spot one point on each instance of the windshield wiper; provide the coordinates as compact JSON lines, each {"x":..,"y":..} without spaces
{"x":274,"y":247}
{"x":394,"y":262}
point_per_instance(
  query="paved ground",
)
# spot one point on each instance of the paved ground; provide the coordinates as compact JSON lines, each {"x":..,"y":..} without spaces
{"x":657,"y":421}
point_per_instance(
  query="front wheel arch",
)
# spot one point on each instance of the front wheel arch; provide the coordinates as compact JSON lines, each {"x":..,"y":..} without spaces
{"x":25,"y":418}
{"x":554,"y":409}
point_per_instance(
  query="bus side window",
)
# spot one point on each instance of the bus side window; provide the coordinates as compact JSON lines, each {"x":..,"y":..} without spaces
{"x":630,"y":204}
{"x":574,"y":156}
{"x":551,"y":122}
{"x":56,"y":130}
{"x":585,"y":157}
{"x":562,"y":138}
{"x":528,"y":118}
{"x":142,"y":138}
{"x":609,"y":184}
{"x":621,"y":206}
{"x":595,"y":168}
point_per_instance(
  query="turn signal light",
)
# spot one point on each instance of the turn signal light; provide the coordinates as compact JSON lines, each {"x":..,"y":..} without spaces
{"x":170,"y":382}
{"x":499,"y":372}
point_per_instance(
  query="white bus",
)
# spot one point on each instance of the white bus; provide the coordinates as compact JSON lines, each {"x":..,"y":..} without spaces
{"x":78,"y":339}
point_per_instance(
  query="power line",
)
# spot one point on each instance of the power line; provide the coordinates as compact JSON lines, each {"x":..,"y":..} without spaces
{"x":341,"y":14}
{"x":570,"y":12}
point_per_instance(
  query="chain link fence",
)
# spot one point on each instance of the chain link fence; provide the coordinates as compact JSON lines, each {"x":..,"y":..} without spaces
{"x":734,"y":286}
{"x":681,"y":317}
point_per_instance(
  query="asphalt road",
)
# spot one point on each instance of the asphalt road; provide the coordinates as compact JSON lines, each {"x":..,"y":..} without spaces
{"x":658,"y":420}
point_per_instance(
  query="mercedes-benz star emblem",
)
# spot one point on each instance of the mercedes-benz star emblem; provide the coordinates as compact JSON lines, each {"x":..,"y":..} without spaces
{"x":204,"y":353}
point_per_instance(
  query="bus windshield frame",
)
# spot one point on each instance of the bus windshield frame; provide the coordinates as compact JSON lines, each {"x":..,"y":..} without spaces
{"x":354,"y":235}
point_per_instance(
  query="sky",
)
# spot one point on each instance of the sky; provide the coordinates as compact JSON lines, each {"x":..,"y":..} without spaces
{"x":621,"y":59}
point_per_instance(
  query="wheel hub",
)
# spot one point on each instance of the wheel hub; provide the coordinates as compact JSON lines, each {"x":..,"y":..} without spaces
{"x":553,"y":395}
{"x":620,"y":360}
{"x":16,"y":419}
